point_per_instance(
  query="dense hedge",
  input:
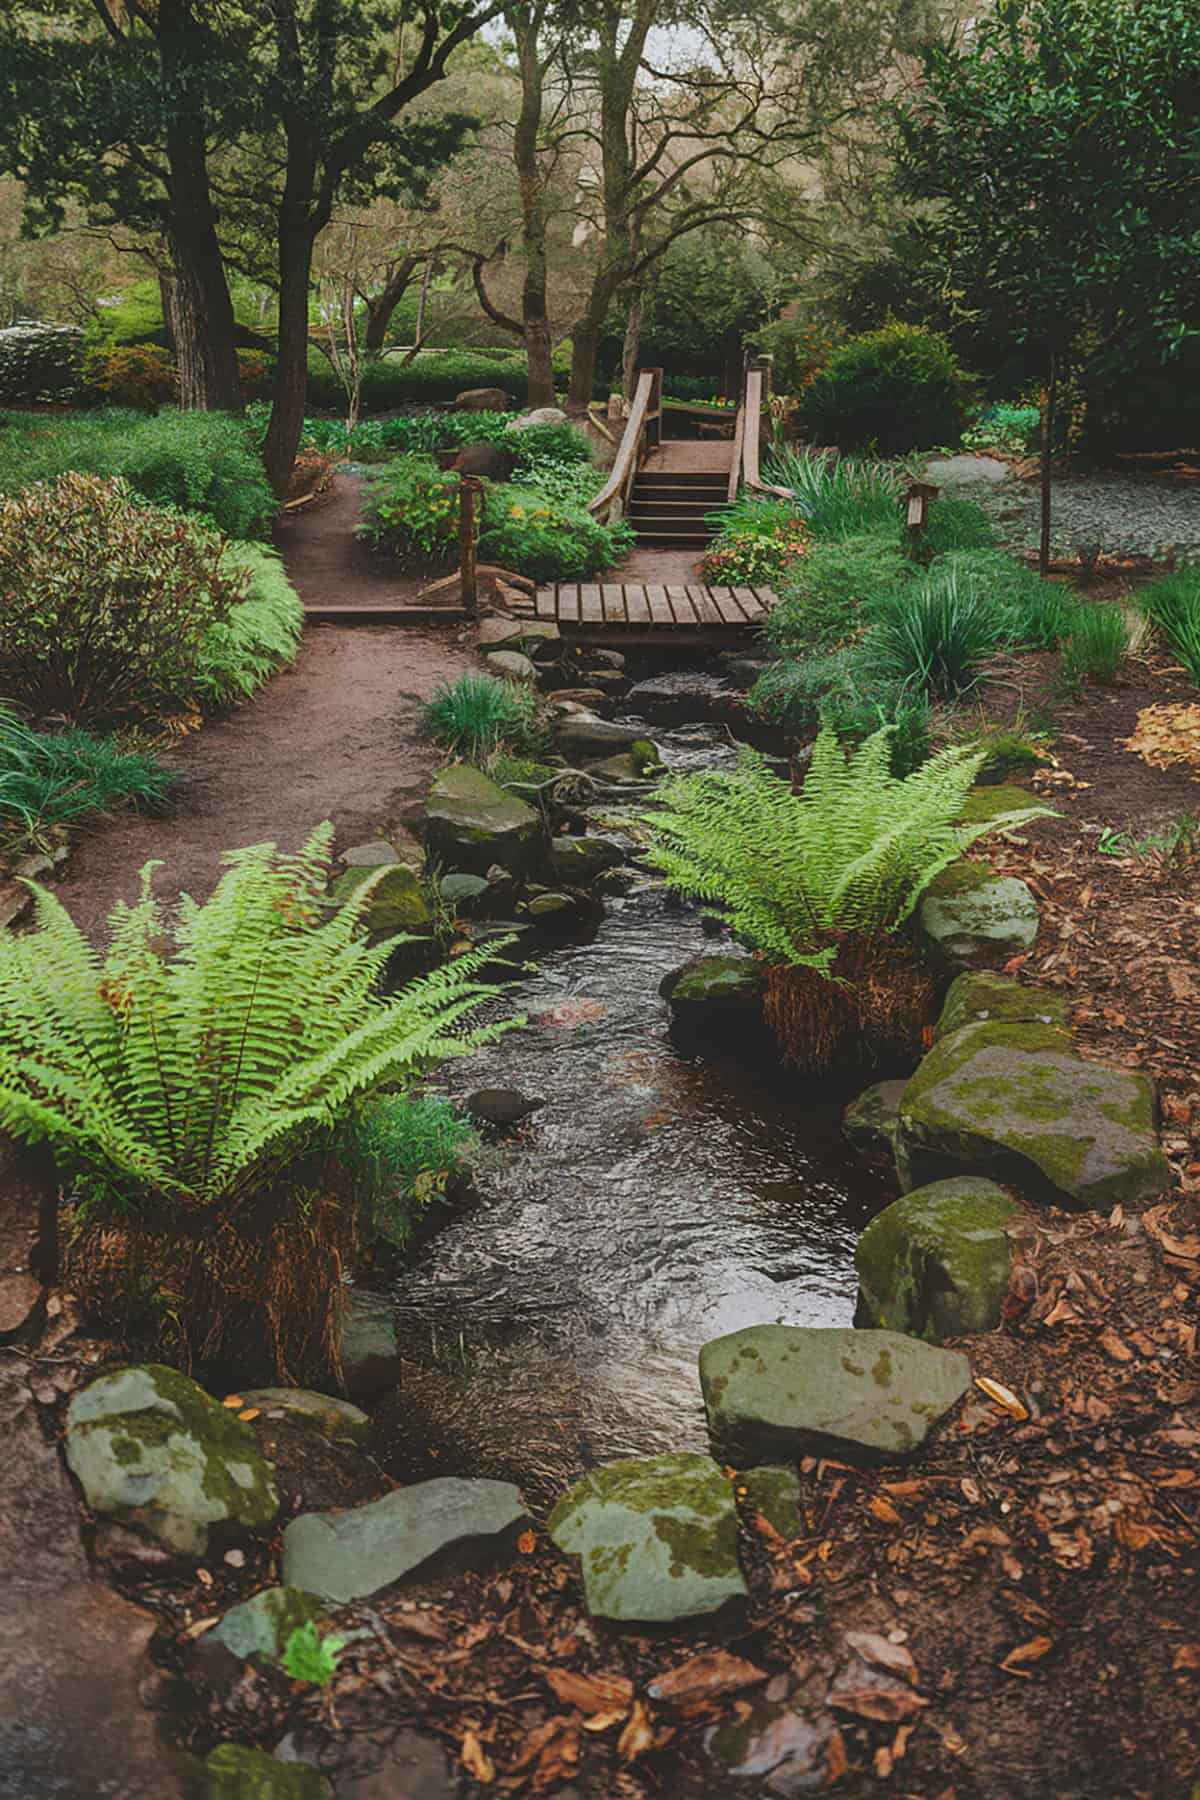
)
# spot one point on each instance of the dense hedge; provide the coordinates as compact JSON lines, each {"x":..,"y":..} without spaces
{"x":893,"y":390}
{"x":433,"y":375}
{"x":40,"y":364}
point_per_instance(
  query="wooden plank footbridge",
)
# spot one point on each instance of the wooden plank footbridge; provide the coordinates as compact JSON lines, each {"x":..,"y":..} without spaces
{"x":667,"y":489}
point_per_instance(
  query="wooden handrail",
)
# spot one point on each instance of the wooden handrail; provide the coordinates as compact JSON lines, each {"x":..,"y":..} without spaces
{"x":752,"y":407}
{"x":643,"y":423}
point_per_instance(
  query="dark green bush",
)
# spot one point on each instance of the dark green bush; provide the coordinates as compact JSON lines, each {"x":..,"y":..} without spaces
{"x":893,"y":390}
{"x":957,"y":525}
{"x":433,"y":375}
{"x":824,"y":596}
{"x":1173,"y":604}
{"x":201,"y":462}
{"x":377,"y":440}
{"x":401,"y":1152}
{"x":931,"y":635}
{"x":138,"y":375}
{"x":106,"y":604}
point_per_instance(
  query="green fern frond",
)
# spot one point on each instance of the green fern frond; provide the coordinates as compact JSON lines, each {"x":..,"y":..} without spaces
{"x":851,"y":852}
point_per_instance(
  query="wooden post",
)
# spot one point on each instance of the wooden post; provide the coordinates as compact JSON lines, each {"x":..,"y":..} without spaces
{"x":916,"y":517}
{"x":654,"y":411}
{"x":470,"y":489}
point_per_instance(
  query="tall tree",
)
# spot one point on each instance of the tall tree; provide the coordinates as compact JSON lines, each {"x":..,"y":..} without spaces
{"x":1060,"y":142}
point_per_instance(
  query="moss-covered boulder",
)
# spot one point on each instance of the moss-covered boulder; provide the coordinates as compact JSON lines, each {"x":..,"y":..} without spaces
{"x":970,"y":918}
{"x":398,"y":901}
{"x":1013,"y":1102}
{"x":978,"y":996}
{"x":235,"y":1772}
{"x":588,"y":738}
{"x":869,"y":1123}
{"x":474,"y":824}
{"x":772,"y":1491}
{"x":333,"y":1418}
{"x":579,"y":860}
{"x":258,"y":1629}
{"x":657,"y":1539}
{"x":936,"y":1263}
{"x":716,"y":990}
{"x":991,"y":801}
{"x":796,"y":1389}
{"x":150,"y":1447}
{"x":433,"y":1528}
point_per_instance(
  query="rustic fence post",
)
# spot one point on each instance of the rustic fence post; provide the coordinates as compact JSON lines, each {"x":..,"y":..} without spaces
{"x":470,"y":489}
{"x":916,"y":517}
{"x":654,"y":411}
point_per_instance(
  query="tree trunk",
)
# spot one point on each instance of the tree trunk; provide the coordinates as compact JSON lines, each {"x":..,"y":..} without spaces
{"x":381,"y":308}
{"x":585,"y":343}
{"x":1048,"y":399}
{"x":631,"y":349}
{"x":539,"y":353}
{"x":291,"y":368}
{"x":201,"y":318}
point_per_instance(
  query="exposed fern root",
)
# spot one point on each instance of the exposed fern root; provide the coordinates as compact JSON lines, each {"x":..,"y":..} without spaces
{"x":877,"y":1008}
{"x":201,"y":1288}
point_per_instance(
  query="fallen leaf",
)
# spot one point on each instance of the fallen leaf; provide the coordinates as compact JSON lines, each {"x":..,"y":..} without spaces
{"x":420,"y":1624}
{"x":704,"y":1677}
{"x":637,"y":1736}
{"x":1120,"y":1352}
{"x":883,"y":1510}
{"x":891,"y":1703}
{"x":1187,"y":1657}
{"x":251,"y":1412}
{"x":590,"y":1693}
{"x":202,"y":1625}
{"x":233,"y":1401}
{"x":1003,"y":1397}
{"x":1033,"y":1651}
{"x":836,"y":1760}
{"x":527,"y":1543}
{"x":602,"y":1721}
{"x":475,"y":1759}
{"x":1062,"y":1313}
{"x":884,"y":1654}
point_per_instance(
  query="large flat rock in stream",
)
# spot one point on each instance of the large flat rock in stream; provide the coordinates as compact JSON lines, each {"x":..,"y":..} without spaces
{"x":1013,"y":1102}
{"x":472,"y":823}
{"x":795,"y":1389}
{"x":434,"y":1527}
{"x":73,"y":1654}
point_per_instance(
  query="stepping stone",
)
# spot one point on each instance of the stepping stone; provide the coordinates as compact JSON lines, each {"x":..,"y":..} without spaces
{"x":976,"y":997}
{"x":472,"y":823}
{"x":333,"y":1418}
{"x":1013,"y":1102}
{"x":970,"y":918}
{"x":657,"y":1537}
{"x":436,"y":1527}
{"x":510,"y":665}
{"x":936,"y":1264}
{"x":792,"y":1390}
{"x":579,"y":860}
{"x":151,"y":1448}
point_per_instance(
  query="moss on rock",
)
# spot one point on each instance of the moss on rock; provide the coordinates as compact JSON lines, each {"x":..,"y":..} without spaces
{"x":236,"y":1772}
{"x":980,"y":995}
{"x":936,"y":1263}
{"x":983,"y":804}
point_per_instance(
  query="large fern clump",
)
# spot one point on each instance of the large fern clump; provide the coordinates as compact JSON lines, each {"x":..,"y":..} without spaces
{"x":818,"y":880}
{"x":188,"y":1089}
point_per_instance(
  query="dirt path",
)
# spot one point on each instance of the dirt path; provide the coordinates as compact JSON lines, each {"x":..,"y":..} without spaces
{"x":329,"y":566}
{"x":334,"y":737}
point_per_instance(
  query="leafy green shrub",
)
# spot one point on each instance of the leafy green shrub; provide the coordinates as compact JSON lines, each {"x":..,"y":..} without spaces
{"x":189,"y":1084}
{"x":757,"y":540}
{"x":377,"y":440}
{"x":823,"y":599}
{"x":842,"y":692}
{"x":549,"y":443}
{"x":477,"y":715}
{"x":1173,"y":604}
{"x":412,"y":508}
{"x":40,"y":364}
{"x":1006,"y":429}
{"x":105,"y":604}
{"x":547,"y":539}
{"x":957,"y":525}
{"x":893,"y":390}
{"x":1096,"y":642}
{"x":933,"y":634}
{"x":258,"y":635}
{"x":433,"y":375}
{"x":201,"y":462}
{"x":840,"y":497}
{"x":139,"y":375}
{"x":55,"y":778}
{"x":401,"y":1152}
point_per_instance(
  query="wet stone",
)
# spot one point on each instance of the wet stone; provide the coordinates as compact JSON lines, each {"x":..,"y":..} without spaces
{"x":657,"y":1539}
{"x":971,"y":918}
{"x":1013,"y":1102}
{"x":436,"y":1527}
{"x":797,"y":1389}
{"x":150,"y":1447}
{"x":398,"y":901}
{"x":579,"y":860}
{"x":370,"y":1355}
{"x":260,"y":1627}
{"x":869,"y":1123}
{"x":776,"y":1748}
{"x":580,"y":736}
{"x":333,"y":1418}
{"x":510,"y":665}
{"x":936,"y":1264}
{"x":500,"y":1106}
{"x":717,"y":988}
{"x":472,"y":823}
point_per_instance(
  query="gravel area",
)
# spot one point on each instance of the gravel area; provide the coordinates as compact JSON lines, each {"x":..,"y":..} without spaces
{"x":1135,"y":515}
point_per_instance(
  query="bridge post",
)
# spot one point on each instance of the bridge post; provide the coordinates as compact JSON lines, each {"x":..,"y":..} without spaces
{"x":654,"y":410}
{"x":470,"y":490}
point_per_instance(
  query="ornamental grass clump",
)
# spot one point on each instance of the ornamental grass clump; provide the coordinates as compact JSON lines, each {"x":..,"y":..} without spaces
{"x":840,"y":496}
{"x":50,"y":778}
{"x":477,"y":715}
{"x":189,"y":1084}
{"x":818,"y":882}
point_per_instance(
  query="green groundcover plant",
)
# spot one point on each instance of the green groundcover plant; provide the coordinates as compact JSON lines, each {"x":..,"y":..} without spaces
{"x":478,"y":715}
{"x":57,"y":778}
{"x":189,"y":1082}
{"x":402,"y":1153}
{"x":258,"y":635}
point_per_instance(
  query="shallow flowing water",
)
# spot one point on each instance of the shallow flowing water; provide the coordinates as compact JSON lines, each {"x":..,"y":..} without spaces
{"x":656,"y":1199}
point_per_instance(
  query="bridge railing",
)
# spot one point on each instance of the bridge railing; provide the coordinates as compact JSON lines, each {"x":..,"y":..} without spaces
{"x":752,"y":421}
{"x":643,"y":432}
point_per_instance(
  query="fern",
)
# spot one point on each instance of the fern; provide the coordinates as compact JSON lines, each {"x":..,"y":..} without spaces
{"x":851,"y":853}
{"x":197,"y":1075}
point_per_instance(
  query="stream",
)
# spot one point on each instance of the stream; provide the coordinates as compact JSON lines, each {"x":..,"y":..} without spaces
{"x":655,"y":1199}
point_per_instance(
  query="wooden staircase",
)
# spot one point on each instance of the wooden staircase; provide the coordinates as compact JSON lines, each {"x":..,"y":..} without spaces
{"x":667,"y":508}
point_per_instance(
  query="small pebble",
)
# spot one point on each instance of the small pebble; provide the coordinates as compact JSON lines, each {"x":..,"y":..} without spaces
{"x":236,"y":1559}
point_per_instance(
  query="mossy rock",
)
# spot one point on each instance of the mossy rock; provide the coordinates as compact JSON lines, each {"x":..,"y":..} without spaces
{"x":980,"y":995}
{"x":511,"y":665}
{"x":869,"y":1123}
{"x":772,"y":1490}
{"x":936,"y":1264}
{"x":150,"y":1447}
{"x":398,"y":901}
{"x":716,"y":990}
{"x":579,"y":860}
{"x":235,"y":1772}
{"x":657,"y":1538}
{"x":258,"y":1630}
{"x":474,"y":824}
{"x":983,"y":804}
{"x":334,"y":1418}
{"x":795,"y":1390}
{"x":1014,"y":1103}
{"x":969,"y":917}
